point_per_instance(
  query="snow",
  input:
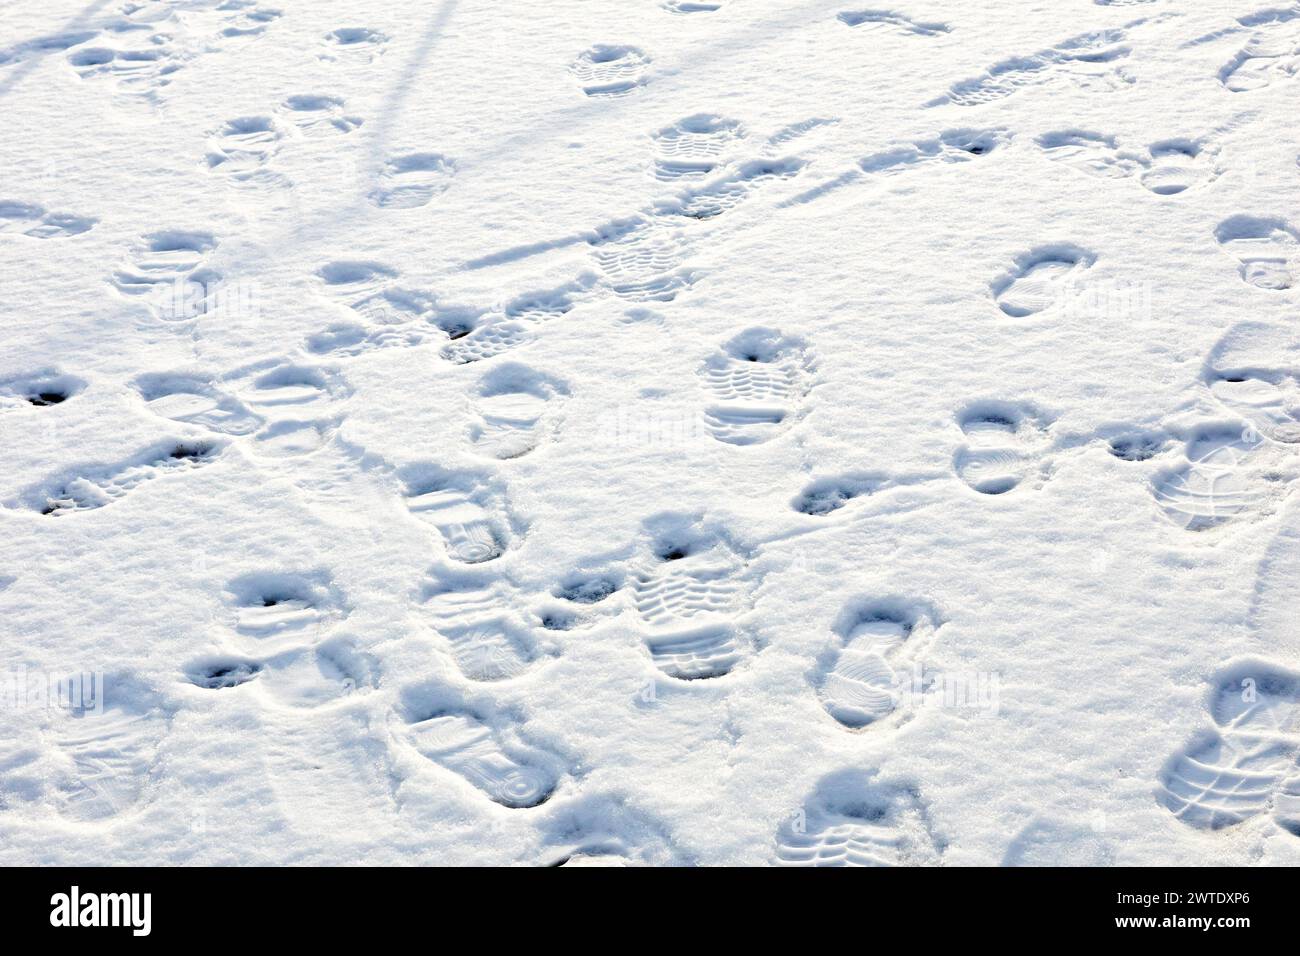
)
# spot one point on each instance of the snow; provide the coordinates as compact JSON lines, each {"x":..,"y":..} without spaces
{"x":678,"y":433}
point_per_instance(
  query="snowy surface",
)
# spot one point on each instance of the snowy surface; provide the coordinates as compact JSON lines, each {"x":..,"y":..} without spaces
{"x":726,"y":432}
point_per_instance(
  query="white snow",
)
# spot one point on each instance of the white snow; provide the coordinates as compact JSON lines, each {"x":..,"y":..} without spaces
{"x":736,"y":432}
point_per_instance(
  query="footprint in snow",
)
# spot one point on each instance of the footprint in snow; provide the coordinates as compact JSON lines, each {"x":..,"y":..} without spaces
{"x":695,"y":146}
{"x":688,"y":595}
{"x":729,"y":191}
{"x":28,"y":219}
{"x":287,"y":409}
{"x":828,"y":495}
{"x":241,"y":148}
{"x":412,"y":180}
{"x":1090,"y":60}
{"x":92,"y":487}
{"x":1166,"y":168}
{"x":515,"y":411}
{"x":270,"y":612}
{"x":691,"y":6}
{"x":1245,"y":766}
{"x":1223,"y":478}
{"x":1263,"y":60}
{"x":642,"y":260}
{"x":896,"y":22}
{"x":1265,"y":249}
{"x":108,"y":762}
{"x":1042,"y":279}
{"x":297,"y":679}
{"x":850,"y":820}
{"x":353,"y":44}
{"x":484,"y":635}
{"x":169,"y":267}
{"x":1002,"y":448}
{"x":610,"y":69}
{"x":757,"y":382}
{"x":1250,"y":373}
{"x":319,"y":112}
{"x":137,"y":73}
{"x":873,"y":668}
{"x":466,"y":509}
{"x":463,"y":742}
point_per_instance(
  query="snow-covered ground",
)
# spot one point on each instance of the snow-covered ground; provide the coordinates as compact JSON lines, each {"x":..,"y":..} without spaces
{"x":727,"y":432}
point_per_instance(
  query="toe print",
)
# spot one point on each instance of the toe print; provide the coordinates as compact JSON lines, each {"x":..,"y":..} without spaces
{"x":95,"y":487}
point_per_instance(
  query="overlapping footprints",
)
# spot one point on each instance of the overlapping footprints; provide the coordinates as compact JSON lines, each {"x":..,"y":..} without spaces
{"x":1246,"y":767}
{"x":1041,"y":279}
{"x":29,"y":219}
{"x":1265,"y":248}
{"x":1264,"y":59}
{"x":1002,"y":448}
{"x":1090,"y":59}
{"x":853,"y":820}
{"x":874,"y":664}
{"x":412,"y":180}
{"x":610,"y":69}
{"x":288,"y":408}
{"x":280,"y":626}
{"x":688,"y":593}
{"x":138,"y":71}
{"x":1166,"y":168}
{"x":757,"y":382}
{"x":92,"y":487}
{"x":385,"y":314}
{"x":961,"y":145}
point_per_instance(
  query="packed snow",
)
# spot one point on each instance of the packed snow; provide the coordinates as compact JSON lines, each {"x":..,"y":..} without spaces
{"x":738,"y":432}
